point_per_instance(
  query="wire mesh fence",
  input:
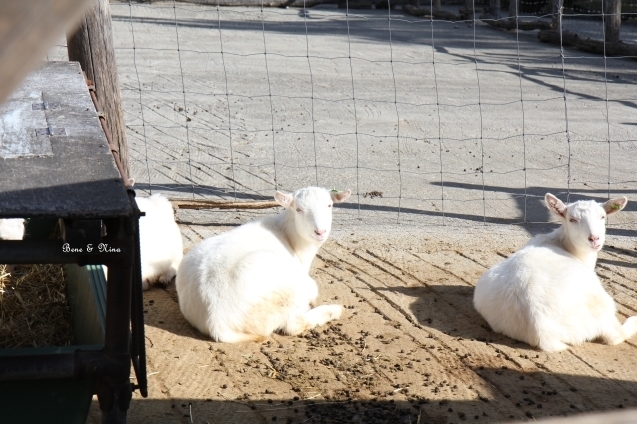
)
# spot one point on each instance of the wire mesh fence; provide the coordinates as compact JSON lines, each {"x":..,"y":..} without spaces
{"x":425,"y":119}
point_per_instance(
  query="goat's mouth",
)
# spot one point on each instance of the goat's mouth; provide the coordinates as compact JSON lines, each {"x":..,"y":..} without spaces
{"x":321,"y":237}
{"x":597,"y":246}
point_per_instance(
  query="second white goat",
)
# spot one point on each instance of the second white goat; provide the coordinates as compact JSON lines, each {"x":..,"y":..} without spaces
{"x":160,"y":240}
{"x":12,"y":229}
{"x":245,"y":284}
{"x":547,"y":294}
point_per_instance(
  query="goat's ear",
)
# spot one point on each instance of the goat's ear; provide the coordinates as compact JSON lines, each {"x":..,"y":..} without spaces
{"x":340,"y":196}
{"x":555,"y":205}
{"x":283,"y":199}
{"x":615,"y":205}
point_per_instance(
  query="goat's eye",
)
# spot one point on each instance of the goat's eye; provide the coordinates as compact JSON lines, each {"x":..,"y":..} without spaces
{"x":329,"y":206}
{"x":299,"y":210}
{"x":603,"y":217}
{"x":573,"y":220}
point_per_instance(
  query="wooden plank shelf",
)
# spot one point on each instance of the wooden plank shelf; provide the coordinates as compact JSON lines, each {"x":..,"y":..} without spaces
{"x":69,"y":174}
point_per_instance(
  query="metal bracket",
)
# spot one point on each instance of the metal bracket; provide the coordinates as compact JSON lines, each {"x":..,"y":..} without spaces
{"x":50,"y":131}
{"x":45,"y":106}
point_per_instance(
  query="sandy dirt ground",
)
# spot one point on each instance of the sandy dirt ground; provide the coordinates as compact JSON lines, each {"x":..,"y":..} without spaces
{"x":409,"y":347}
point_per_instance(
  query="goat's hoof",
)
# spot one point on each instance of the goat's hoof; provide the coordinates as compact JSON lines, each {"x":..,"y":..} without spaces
{"x":333,"y":312}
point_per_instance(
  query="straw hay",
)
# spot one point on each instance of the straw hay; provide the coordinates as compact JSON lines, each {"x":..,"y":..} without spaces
{"x":33,"y":308}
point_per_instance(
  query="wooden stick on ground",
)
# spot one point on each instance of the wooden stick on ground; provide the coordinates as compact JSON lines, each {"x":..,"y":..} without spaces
{"x":570,"y":39}
{"x":222,"y":204}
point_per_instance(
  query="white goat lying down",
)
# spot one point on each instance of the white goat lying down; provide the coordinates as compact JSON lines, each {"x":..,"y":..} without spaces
{"x":12,"y":229}
{"x":246,"y":283}
{"x":547,"y":294}
{"x":160,"y":240}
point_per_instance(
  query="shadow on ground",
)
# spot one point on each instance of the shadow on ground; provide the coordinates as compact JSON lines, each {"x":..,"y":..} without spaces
{"x":577,"y":394}
{"x":161,"y":310}
{"x":625,"y":264}
{"x":449,"y":309}
{"x":530,"y":204}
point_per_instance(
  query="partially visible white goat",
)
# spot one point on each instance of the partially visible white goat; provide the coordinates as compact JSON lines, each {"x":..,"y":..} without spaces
{"x":547,"y":294}
{"x":12,"y":229}
{"x":160,"y":240}
{"x":249,"y":282}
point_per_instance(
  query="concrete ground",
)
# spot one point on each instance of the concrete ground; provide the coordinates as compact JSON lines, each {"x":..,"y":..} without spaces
{"x":407,"y":123}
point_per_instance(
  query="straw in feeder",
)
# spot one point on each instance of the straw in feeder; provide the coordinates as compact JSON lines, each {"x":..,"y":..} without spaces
{"x":33,"y":308}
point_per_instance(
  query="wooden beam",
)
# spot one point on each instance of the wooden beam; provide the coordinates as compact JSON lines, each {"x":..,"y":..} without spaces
{"x":468,"y":12}
{"x":510,"y":24}
{"x":29,"y":29}
{"x":513,"y":9}
{"x":266,"y":3}
{"x":494,"y":8}
{"x":612,"y":20}
{"x":92,"y":46}
{"x":436,"y":13}
{"x":570,"y":39}
{"x":556,"y":10}
{"x":222,"y":204}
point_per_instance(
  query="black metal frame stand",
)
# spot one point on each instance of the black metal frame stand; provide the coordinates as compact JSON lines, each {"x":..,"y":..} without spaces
{"x":124,"y":332}
{"x":60,"y":165}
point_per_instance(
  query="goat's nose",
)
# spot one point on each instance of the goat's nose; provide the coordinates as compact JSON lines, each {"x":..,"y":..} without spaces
{"x":319,"y":232}
{"x":593,"y":238}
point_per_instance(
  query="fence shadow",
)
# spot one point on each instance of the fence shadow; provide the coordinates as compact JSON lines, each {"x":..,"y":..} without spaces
{"x":530,"y":204}
{"x":185,"y":191}
{"x":625,"y":264}
{"x":449,"y":309}
{"x":517,"y":392}
{"x":446,"y":308}
{"x":510,"y":389}
{"x":619,"y":254}
{"x":538,"y":218}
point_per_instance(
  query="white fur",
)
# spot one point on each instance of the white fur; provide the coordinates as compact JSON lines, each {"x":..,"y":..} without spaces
{"x":547,"y":294}
{"x":12,"y":229}
{"x":160,"y":240}
{"x":249,"y":282}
